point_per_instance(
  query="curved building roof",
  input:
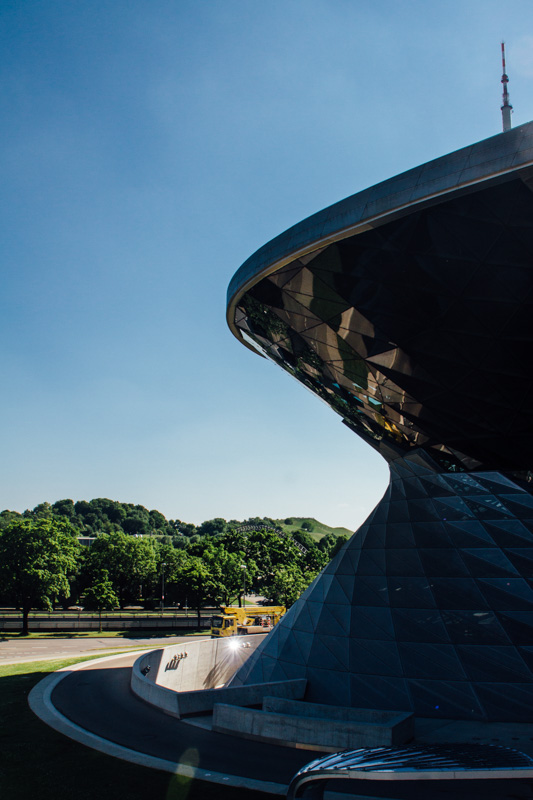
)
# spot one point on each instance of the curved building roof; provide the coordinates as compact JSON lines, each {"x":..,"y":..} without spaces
{"x":408,"y":307}
{"x":487,"y":160}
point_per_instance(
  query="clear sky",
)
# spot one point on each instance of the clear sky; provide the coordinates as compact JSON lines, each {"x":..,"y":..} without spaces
{"x":147,"y":148}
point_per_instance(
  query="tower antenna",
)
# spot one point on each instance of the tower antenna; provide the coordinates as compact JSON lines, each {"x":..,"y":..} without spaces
{"x":507,"y":108}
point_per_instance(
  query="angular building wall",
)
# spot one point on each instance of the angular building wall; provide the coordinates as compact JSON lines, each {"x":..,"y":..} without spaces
{"x":408,"y":308}
{"x":428,"y":608}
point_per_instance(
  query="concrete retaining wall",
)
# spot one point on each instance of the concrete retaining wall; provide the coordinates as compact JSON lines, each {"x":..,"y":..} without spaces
{"x":189,"y":678}
{"x":182,"y":679}
{"x":145,"y":623}
{"x":308,"y":732}
{"x":143,"y":682}
{"x":202,"y":702}
{"x":400,"y":726}
{"x":204,"y":663}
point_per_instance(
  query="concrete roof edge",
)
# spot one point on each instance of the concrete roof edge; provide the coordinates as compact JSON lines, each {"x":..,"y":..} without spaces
{"x":504,"y":153}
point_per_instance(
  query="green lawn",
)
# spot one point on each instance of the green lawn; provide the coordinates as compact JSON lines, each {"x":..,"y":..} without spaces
{"x":37,"y":762}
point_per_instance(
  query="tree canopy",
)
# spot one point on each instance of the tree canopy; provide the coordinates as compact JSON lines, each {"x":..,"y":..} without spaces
{"x":37,"y":558}
{"x":129,"y":562}
{"x":101,"y":515}
{"x":134,"y":551}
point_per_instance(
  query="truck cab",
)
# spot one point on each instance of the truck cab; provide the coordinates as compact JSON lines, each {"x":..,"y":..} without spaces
{"x":233,"y":621}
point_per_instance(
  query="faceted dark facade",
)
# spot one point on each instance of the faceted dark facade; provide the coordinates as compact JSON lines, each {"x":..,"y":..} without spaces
{"x":408,"y":308}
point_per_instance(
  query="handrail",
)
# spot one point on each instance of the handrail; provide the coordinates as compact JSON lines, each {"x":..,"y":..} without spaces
{"x":413,"y":762}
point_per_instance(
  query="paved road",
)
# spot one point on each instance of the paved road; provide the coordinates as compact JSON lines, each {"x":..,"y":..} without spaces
{"x":17,"y":650}
{"x":99,"y":699}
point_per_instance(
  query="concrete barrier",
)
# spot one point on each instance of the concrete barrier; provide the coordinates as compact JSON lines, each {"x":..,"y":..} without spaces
{"x":310,"y":732}
{"x":132,"y":623}
{"x":204,"y":663}
{"x":187,"y":678}
{"x":202,"y":702}
{"x":190,"y":678}
{"x":143,"y":682}
{"x":396,"y":727}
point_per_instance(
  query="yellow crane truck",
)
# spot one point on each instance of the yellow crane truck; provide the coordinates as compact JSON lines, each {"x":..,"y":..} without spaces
{"x":233,"y":621}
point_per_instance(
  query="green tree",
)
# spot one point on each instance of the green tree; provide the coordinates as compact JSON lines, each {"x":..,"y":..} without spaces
{"x":42,"y":510}
{"x":183,"y":528}
{"x":229,"y":575}
{"x":265,"y":553}
{"x":180,"y":542}
{"x":158,"y":522}
{"x":100,"y":596}
{"x":314,"y":559}
{"x":339,"y":544}
{"x":286,"y":585}
{"x":196,"y":584}
{"x":37,"y":558}
{"x":6,"y":517}
{"x":129,"y":561}
{"x":174,"y":561}
{"x":271,"y":551}
{"x":212,"y":527}
{"x":327,"y":543}
{"x":64,"y":508}
{"x":304,"y":538}
{"x":225,"y":568}
{"x":137,"y":524}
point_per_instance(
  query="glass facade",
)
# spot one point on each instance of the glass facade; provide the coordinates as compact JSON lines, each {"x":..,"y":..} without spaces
{"x":418,"y":332}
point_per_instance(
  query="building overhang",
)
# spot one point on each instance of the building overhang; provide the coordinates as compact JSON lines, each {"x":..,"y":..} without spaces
{"x":497,"y":159}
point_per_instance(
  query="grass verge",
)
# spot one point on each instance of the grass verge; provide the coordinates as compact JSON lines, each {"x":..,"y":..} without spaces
{"x":36,"y":761}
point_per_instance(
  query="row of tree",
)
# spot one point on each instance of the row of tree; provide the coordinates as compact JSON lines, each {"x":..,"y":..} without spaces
{"x":42,"y":564}
{"x":106,"y":516}
{"x":101,"y":515}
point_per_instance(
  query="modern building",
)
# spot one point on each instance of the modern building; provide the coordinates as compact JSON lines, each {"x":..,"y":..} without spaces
{"x":408,"y":308}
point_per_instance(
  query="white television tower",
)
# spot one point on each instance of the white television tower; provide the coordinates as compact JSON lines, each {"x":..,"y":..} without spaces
{"x":507,"y":108}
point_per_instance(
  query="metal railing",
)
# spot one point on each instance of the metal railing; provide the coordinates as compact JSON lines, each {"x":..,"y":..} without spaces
{"x":412,"y":762}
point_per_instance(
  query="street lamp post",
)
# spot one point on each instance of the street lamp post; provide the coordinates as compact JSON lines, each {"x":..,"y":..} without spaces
{"x":163,"y":565}
{"x":243,"y":567}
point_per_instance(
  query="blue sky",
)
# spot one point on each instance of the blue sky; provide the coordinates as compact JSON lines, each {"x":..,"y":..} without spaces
{"x":148,"y":147}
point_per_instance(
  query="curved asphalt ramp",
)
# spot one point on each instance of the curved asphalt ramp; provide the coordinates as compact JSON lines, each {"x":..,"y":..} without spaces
{"x":97,"y":700}
{"x":92,"y":703}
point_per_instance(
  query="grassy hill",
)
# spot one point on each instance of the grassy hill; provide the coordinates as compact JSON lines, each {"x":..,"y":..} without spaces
{"x":319,"y":529}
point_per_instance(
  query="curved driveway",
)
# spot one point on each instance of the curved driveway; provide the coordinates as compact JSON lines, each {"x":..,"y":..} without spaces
{"x":96,"y":699}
